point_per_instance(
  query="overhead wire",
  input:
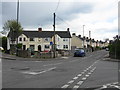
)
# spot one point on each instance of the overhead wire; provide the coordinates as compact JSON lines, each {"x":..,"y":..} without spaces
{"x":67,"y":24}
{"x":57,"y":5}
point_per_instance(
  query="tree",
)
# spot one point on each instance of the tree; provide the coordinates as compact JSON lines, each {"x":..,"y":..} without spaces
{"x":14,"y":28}
{"x":19,"y":45}
{"x":115,"y":48}
{"x":4,"y":43}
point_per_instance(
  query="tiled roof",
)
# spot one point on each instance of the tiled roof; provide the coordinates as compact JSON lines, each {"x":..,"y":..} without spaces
{"x":45,"y":34}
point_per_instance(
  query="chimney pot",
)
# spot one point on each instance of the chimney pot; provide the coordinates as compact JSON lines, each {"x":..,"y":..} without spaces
{"x":39,"y":29}
{"x":68,"y":29}
{"x":79,"y":36}
{"x":74,"y":34}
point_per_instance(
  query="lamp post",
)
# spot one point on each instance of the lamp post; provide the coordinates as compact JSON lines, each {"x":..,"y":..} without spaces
{"x":83,"y":35}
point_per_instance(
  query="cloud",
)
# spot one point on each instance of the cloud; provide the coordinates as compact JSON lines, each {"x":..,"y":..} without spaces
{"x":41,"y":13}
{"x":96,"y":15}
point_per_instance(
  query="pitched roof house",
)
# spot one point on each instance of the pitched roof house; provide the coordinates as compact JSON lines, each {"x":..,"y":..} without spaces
{"x":43,"y":40}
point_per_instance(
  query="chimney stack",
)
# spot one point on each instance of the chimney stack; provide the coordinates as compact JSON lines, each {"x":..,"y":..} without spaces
{"x":73,"y":34}
{"x":39,"y":29}
{"x":68,"y":29}
{"x":79,"y":36}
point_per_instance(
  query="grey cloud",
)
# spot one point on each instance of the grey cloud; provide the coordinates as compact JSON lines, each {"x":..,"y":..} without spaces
{"x":33,"y":14}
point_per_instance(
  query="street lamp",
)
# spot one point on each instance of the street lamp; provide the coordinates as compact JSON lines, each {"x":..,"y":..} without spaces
{"x":83,"y":35}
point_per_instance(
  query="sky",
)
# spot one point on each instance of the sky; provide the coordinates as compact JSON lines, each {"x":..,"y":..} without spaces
{"x":99,"y":16}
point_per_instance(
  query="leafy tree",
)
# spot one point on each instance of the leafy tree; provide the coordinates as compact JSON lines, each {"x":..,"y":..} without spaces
{"x":4,"y":43}
{"x":14,"y":28}
{"x":114,"y":48}
{"x":19,"y":45}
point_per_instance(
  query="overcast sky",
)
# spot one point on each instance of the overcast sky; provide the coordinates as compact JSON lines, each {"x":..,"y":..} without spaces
{"x":99,"y":16}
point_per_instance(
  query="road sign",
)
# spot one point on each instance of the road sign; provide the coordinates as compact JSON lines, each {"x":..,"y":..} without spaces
{"x":51,"y":43}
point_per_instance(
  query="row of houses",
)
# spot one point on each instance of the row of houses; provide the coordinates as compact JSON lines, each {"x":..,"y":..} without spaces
{"x":43,"y":40}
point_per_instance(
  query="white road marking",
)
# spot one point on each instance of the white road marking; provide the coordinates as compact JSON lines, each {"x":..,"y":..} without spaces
{"x":104,"y":86}
{"x":87,"y":75}
{"x":0,"y":60}
{"x":82,"y":72}
{"x":108,"y":84}
{"x":115,"y":86}
{"x":52,"y":64}
{"x":32,"y":61}
{"x":75,"y":78}
{"x":87,"y":69}
{"x":84,"y":78}
{"x":115,"y":83}
{"x":76,"y":86}
{"x":35,"y":73}
{"x":93,"y":69}
{"x":80,"y":82}
{"x":79,"y":75}
{"x":71,"y":81}
{"x":65,"y":86}
{"x":65,"y":57}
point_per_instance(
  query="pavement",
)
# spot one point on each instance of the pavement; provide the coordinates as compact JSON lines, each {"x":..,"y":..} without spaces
{"x":66,"y":72}
{"x":14,"y":57}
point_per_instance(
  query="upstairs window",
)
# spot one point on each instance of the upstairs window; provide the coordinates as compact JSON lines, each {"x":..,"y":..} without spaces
{"x":47,"y":46}
{"x":20,"y":39}
{"x":31,"y":39}
{"x":46,"y":39}
{"x":24,"y":39}
{"x":65,"y":39}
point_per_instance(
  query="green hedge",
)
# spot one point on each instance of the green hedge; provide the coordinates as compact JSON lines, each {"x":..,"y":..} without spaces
{"x":115,"y":49}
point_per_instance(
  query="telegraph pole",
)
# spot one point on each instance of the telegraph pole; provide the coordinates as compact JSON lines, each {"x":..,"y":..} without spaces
{"x":17,"y":11}
{"x":54,"y":46}
{"x":17,"y":24}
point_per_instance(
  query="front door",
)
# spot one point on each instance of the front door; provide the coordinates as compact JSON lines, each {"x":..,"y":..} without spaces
{"x":24,"y":47}
{"x":39,"y":48}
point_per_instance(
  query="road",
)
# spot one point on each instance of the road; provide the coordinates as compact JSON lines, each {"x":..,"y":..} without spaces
{"x":91,"y":71}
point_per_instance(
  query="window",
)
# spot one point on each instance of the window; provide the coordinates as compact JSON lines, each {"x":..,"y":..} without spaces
{"x":46,"y":39}
{"x":20,"y":39}
{"x":31,"y":39}
{"x":47,"y":46}
{"x":65,"y":39}
{"x":32,"y":47}
{"x":65,"y":46}
{"x":24,"y":39}
{"x":58,"y":39}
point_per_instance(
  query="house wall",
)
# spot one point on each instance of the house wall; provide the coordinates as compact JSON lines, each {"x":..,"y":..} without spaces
{"x":75,"y":41}
{"x":8,"y":43}
{"x":42,"y":42}
{"x":37,"y":41}
{"x":60,"y":42}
